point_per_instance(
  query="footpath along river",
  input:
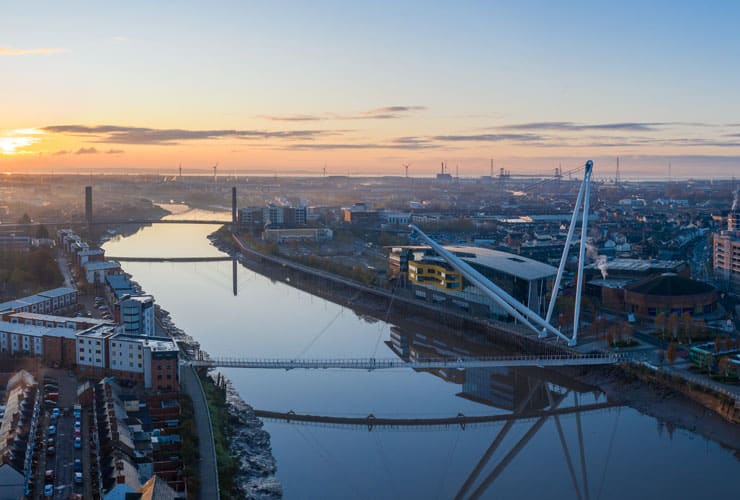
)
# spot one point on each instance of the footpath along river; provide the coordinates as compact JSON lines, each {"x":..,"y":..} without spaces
{"x":605,"y":453}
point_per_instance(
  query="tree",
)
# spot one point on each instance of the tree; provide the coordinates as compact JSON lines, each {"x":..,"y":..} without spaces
{"x":42,"y":232}
{"x":724,"y":366}
{"x":25,"y":219}
{"x":687,"y":325}
{"x":660,"y":324}
{"x":609,"y":338}
{"x":672,"y":324}
{"x":661,"y":356}
{"x":670,"y":353}
{"x":626,"y":332}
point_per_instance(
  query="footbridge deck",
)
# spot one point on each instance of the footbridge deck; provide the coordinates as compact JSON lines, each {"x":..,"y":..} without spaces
{"x":384,"y":364}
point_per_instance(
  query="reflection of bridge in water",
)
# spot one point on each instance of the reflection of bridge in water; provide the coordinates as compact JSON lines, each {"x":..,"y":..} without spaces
{"x":371,"y":422}
{"x":533,"y":398}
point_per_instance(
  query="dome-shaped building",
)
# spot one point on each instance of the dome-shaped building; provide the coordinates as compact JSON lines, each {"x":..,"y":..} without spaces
{"x":669,"y":293}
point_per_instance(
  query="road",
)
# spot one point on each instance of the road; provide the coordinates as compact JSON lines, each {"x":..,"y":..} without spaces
{"x":207,"y":467}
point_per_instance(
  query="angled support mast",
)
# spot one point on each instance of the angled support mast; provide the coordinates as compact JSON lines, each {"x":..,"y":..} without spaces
{"x":585,"y":188}
{"x":519,"y":311}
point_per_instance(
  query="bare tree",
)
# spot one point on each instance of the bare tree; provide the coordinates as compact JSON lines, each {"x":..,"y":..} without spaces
{"x":660,"y":324}
{"x":670,"y":353}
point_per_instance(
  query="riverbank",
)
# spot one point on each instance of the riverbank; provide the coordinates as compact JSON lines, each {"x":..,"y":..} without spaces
{"x":656,"y":396}
{"x":246,"y":465}
{"x":661,"y":399}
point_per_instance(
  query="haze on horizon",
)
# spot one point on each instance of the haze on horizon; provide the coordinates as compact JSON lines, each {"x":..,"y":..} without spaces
{"x":365,"y":88}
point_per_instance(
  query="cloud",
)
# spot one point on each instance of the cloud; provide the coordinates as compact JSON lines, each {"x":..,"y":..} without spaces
{"x":86,"y":151}
{"x":384,"y":113}
{"x":406,"y":143}
{"x":114,"y":134}
{"x":120,"y":39}
{"x":61,"y":152}
{"x":8,"y":51}
{"x":114,"y":151}
{"x":571,"y":126}
{"x":489,"y":138}
{"x":292,"y":118}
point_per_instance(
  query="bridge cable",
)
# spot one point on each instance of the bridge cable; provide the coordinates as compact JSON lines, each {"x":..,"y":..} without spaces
{"x":381,"y":330}
{"x":608,"y":453}
{"x":330,"y":461}
{"x":448,"y":460}
{"x":384,"y":461}
{"x":323,"y":330}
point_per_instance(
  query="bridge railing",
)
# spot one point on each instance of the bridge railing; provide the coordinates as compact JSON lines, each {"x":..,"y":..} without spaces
{"x":394,"y":362}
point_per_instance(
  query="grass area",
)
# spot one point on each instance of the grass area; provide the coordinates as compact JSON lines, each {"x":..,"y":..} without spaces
{"x":227,"y":464}
{"x":189,"y":445}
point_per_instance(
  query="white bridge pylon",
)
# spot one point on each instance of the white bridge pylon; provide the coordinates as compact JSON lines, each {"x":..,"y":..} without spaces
{"x":516,"y":309}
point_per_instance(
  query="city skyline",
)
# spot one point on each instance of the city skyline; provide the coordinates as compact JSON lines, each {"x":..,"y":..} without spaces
{"x":365,"y":89}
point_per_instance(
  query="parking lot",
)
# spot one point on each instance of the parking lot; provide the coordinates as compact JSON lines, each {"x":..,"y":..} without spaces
{"x":60,"y":442}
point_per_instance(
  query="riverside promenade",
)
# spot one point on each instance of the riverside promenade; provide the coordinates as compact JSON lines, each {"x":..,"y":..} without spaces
{"x":207,"y":466}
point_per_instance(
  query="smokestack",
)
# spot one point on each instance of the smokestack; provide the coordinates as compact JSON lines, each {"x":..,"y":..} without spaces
{"x":88,"y":204}
{"x":233,"y":209}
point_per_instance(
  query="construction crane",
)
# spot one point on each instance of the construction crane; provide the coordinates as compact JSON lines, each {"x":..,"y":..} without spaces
{"x":215,"y":167}
{"x":406,"y":167}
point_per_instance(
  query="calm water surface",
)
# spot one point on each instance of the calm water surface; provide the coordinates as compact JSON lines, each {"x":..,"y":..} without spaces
{"x":626,"y":454}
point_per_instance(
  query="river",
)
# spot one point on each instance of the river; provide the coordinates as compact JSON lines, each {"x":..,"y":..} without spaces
{"x":614,"y":452}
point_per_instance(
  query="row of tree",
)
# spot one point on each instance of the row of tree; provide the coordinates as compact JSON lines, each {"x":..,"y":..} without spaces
{"x":23,"y":273}
{"x":680,"y":327}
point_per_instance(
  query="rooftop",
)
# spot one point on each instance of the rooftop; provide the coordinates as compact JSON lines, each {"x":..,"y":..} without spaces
{"x":106,"y":264}
{"x":638,"y":264}
{"x":36,"y":331}
{"x":509,"y":263}
{"x":155,"y":344}
{"x":59,"y":319}
{"x":670,"y":285}
{"x":57,"y":292}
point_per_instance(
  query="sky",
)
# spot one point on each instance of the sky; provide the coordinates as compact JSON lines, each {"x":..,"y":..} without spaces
{"x":368,"y":87}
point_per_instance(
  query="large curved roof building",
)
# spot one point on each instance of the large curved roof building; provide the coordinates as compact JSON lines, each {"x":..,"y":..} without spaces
{"x":669,"y":293}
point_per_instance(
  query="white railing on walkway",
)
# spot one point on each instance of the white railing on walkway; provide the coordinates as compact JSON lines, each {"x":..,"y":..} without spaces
{"x":378,"y":364}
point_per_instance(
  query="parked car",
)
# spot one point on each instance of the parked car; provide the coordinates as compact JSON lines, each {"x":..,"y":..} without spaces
{"x":78,"y":443}
{"x":78,"y":477}
{"x":50,"y":450}
{"x":49,"y":490}
{"x":55,"y":412}
{"x":78,"y":465}
{"x":49,"y":476}
{"x":52,"y":430}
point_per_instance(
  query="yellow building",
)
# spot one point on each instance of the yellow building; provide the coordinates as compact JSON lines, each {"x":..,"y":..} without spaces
{"x":434,"y":273}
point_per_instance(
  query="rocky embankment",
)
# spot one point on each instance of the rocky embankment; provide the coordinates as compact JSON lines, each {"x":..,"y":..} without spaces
{"x":248,"y":441}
